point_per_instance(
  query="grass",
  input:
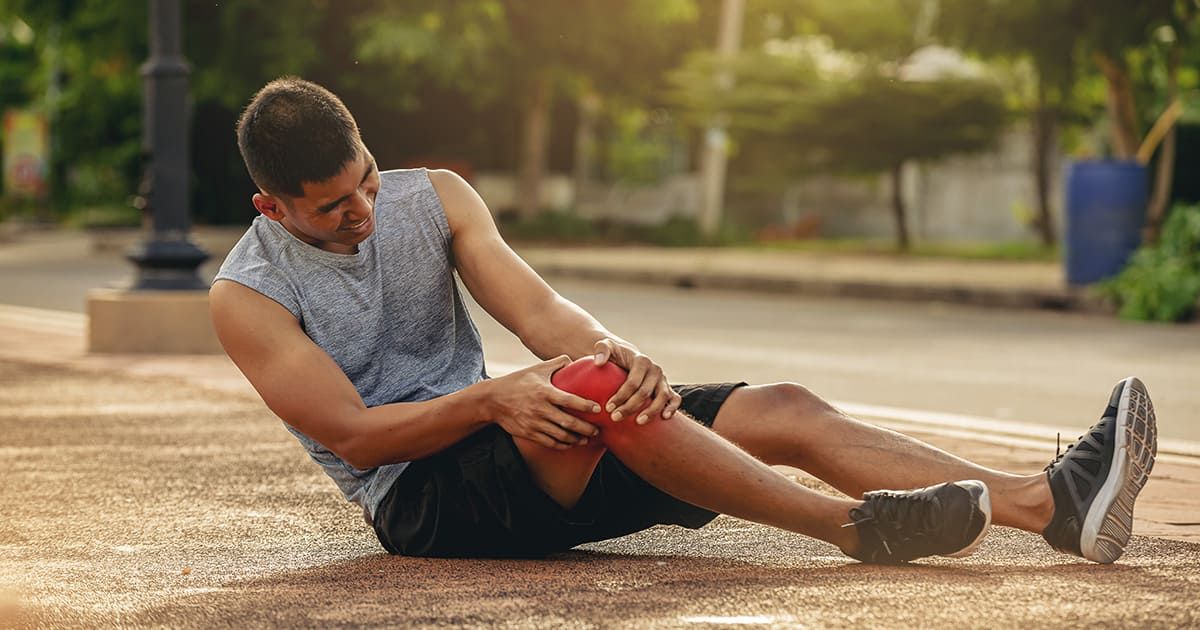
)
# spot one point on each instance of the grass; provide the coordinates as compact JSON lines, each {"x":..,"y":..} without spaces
{"x":561,"y":228}
{"x":103,"y":216}
{"x":1018,"y":250}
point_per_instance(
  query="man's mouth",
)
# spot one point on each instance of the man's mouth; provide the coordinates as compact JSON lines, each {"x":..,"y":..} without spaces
{"x":359,"y":225}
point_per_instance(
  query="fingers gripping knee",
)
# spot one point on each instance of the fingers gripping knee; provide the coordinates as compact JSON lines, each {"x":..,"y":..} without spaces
{"x":597,"y":383}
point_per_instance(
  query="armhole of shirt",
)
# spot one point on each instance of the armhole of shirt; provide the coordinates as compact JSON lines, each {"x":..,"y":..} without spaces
{"x":437,"y":211}
{"x":269,"y":288}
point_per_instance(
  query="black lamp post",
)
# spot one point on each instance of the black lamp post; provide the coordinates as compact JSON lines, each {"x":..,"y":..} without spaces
{"x":166,"y":259}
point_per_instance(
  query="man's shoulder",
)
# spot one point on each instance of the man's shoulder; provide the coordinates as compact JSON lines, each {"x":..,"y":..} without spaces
{"x":257,"y":245}
{"x":401,"y":182}
{"x":255,"y":261}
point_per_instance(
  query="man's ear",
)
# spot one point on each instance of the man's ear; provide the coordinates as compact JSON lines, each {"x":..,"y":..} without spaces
{"x":269,"y":205}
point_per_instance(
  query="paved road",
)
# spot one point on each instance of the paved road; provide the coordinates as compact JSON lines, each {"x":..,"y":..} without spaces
{"x":125,"y":506}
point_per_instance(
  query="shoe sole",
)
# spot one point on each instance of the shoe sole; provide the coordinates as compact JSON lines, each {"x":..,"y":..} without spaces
{"x":1109,"y":521}
{"x":979,"y":490}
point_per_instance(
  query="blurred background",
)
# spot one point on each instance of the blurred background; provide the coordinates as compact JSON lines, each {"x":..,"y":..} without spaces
{"x":942,"y":128}
{"x":936,"y":214}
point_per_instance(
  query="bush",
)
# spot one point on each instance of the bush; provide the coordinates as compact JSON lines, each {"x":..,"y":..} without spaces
{"x":566,"y":228}
{"x":547,"y":226}
{"x":1162,"y":282}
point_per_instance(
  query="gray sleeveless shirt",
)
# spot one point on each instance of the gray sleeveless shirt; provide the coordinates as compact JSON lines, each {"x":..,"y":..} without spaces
{"x":390,"y":316}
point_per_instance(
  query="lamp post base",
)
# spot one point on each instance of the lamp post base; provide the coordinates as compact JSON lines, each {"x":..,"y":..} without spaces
{"x":167,"y":265}
{"x":151,"y":322}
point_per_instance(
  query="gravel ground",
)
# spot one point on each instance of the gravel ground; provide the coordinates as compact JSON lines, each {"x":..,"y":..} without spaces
{"x":150,"y":502}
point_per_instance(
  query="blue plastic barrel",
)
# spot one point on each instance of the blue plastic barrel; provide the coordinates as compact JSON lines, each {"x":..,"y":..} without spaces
{"x":1106,"y":208}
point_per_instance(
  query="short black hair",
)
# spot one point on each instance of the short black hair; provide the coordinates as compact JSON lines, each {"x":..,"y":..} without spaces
{"x":295,"y":131}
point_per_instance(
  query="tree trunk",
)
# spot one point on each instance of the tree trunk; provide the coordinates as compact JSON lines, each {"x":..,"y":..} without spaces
{"x":1156,"y":211}
{"x":1121,"y":110}
{"x":535,"y":138}
{"x":585,"y":143}
{"x":1044,"y":124}
{"x":897,"y":175}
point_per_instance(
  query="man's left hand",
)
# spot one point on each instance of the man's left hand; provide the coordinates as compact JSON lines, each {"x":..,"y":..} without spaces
{"x":646,"y":382}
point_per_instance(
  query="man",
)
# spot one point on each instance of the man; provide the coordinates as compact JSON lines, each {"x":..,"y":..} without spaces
{"x":340,"y":306}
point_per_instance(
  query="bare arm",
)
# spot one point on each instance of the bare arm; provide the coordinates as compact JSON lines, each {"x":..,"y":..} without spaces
{"x":522,"y":302}
{"x":302,"y":385}
{"x":505,"y":286}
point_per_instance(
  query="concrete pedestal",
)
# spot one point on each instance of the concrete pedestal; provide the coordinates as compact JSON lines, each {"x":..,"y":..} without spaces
{"x":154,"y":322}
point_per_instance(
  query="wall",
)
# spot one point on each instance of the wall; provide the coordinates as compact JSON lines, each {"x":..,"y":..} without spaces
{"x":988,"y":198}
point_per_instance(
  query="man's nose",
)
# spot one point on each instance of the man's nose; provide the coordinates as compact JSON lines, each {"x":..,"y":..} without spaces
{"x":360,"y":206}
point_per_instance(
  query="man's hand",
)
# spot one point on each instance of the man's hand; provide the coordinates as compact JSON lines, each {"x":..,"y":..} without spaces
{"x":526,"y":405}
{"x":646,"y":382}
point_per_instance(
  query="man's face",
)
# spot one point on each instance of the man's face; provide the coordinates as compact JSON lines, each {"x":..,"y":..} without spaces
{"x":336,"y":214}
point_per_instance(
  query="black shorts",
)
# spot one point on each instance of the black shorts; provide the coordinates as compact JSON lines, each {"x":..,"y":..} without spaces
{"x":478,"y":498}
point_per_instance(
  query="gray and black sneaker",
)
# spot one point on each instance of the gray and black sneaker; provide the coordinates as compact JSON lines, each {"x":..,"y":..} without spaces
{"x":948,"y":519}
{"x":1096,"y":480}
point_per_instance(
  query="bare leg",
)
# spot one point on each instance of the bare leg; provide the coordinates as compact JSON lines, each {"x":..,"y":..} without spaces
{"x":786,"y":424}
{"x":694,"y":464}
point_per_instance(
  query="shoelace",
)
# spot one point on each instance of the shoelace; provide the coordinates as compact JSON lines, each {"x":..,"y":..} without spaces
{"x":896,"y":510}
{"x":1058,"y":452}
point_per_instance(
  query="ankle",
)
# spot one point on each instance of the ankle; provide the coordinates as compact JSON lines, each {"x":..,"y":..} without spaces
{"x":1043,"y":510}
{"x":847,"y":536}
{"x":1031,"y":504}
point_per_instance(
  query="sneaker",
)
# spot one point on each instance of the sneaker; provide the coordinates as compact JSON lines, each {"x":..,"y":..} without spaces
{"x":948,"y":519}
{"x":1096,"y":480}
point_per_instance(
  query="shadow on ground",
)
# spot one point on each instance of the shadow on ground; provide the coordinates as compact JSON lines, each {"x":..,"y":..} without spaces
{"x":150,"y":502}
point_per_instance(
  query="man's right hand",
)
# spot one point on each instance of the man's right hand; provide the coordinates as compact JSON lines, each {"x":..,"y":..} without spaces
{"x":525,"y":404}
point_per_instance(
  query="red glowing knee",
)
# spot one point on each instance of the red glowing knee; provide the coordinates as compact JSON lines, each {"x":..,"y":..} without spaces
{"x":596,"y":383}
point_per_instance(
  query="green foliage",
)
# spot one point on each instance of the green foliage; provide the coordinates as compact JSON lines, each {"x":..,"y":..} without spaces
{"x":86,"y":80}
{"x":861,"y":119}
{"x":638,"y":153}
{"x":561,"y":227}
{"x":879,"y":121}
{"x":80,"y":63}
{"x":18,"y":60}
{"x":884,"y":29}
{"x":1043,"y":31}
{"x":680,"y":231}
{"x":1162,"y":282}
{"x":103,"y":216}
{"x":773,"y":93}
{"x":486,"y":48}
{"x":1068,"y":41}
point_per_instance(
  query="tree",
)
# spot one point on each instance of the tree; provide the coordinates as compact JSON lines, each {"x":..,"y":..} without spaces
{"x":907,"y":120}
{"x":494,"y":49}
{"x":859,"y":109}
{"x":88,"y":84}
{"x":87,"y":79}
{"x":1111,"y":34}
{"x":1174,"y":46}
{"x":1109,"y":30}
{"x":1042,"y":32}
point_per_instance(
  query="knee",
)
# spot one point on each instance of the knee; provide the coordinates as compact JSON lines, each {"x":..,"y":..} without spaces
{"x":797,"y":401}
